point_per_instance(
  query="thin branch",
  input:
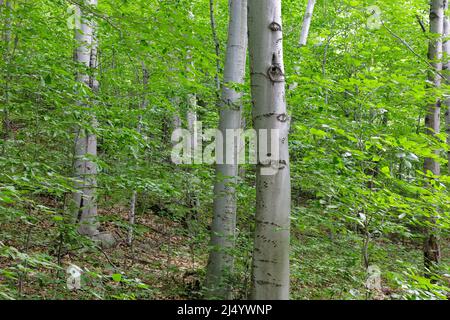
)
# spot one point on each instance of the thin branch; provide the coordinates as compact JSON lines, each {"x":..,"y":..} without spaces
{"x":421,"y":23}
{"x":216,"y":42}
{"x":106,"y":256}
{"x":408,"y":46}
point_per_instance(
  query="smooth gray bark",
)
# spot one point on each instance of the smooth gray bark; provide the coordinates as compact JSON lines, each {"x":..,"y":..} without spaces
{"x":85,"y":169}
{"x":270,"y":274}
{"x":220,"y":264}
{"x":432,"y":119}
{"x":191,"y":114}
{"x":307,"y":22}
{"x":192,"y":145}
{"x":216,"y":42}
{"x":191,"y":117}
{"x":446,"y":69}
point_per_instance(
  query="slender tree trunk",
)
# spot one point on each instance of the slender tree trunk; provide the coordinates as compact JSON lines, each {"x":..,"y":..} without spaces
{"x":194,"y":155}
{"x":216,"y":42}
{"x":270,"y":274}
{"x":86,"y":141}
{"x":446,"y":68}
{"x":176,"y":122}
{"x":7,"y":75}
{"x":132,"y":217}
{"x":432,"y":119}
{"x":191,"y":117}
{"x":220,"y":264}
{"x":307,"y":22}
{"x":143,"y":106}
{"x":191,"y":114}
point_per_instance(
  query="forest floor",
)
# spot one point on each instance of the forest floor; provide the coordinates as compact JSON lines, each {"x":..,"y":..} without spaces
{"x":159,"y":265}
{"x":164,"y":262}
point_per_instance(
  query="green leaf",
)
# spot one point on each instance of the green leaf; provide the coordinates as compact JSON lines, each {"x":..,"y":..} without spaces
{"x":117,"y":277}
{"x":386,"y":171}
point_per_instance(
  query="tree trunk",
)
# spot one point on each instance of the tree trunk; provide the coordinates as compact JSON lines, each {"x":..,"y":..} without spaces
{"x":143,"y":106}
{"x":220,"y":264}
{"x":191,"y":114}
{"x":85,"y":141}
{"x":216,"y":42}
{"x":446,"y":68}
{"x":193,"y":153}
{"x":307,"y":22}
{"x":7,"y":75}
{"x":432,"y":119}
{"x":270,"y":274}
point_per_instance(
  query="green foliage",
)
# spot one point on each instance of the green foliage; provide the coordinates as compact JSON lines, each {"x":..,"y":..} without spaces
{"x":357,"y":99}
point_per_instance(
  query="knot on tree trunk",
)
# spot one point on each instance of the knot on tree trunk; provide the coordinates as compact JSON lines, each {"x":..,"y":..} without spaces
{"x":282,"y":117}
{"x":274,"y":26}
{"x":275,"y":73}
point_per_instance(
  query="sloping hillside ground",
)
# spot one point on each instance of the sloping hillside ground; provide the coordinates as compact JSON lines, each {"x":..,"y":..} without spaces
{"x":165,"y":262}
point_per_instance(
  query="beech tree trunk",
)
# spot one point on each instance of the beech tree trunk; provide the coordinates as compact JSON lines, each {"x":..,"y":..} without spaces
{"x":143,"y":106}
{"x":191,"y":114}
{"x":270,"y":273}
{"x":432,"y":119}
{"x":307,"y":22}
{"x":85,"y":169}
{"x":220,"y":264}
{"x":446,"y":69}
{"x":216,"y":42}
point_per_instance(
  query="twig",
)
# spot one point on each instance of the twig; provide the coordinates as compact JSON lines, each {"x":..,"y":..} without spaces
{"x":406,"y":44}
{"x":106,"y":256}
{"x":421,"y":23}
{"x":25,"y":265}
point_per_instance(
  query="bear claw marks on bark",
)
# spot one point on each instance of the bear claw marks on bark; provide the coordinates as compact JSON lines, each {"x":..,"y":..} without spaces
{"x":267,"y":261}
{"x":269,"y":223}
{"x":282,"y":117}
{"x":268,"y":283}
